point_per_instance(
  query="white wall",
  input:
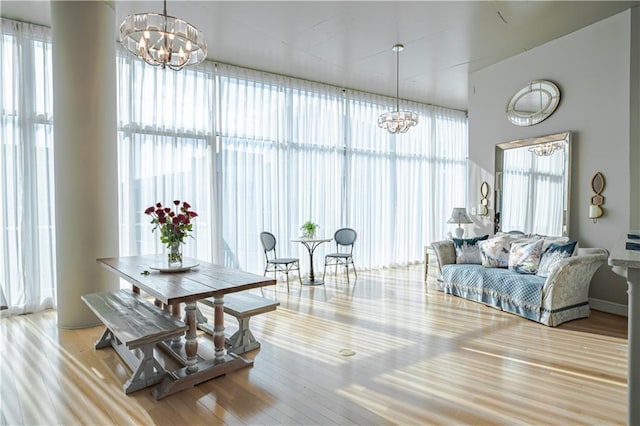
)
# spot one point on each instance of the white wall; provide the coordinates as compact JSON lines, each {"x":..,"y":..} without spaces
{"x":592,"y":68}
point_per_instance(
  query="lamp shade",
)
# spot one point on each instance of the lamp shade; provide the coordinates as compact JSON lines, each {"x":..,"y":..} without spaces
{"x":459,"y":215}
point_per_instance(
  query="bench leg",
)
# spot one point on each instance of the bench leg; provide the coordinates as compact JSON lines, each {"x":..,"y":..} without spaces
{"x":148,"y":373}
{"x":243,"y":340}
{"x":107,"y":339}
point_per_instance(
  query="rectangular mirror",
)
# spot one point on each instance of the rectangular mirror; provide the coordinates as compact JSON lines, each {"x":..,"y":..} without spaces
{"x":532,"y":183}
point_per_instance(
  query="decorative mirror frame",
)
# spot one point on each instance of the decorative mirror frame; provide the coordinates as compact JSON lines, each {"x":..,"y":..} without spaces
{"x":523,"y":117}
{"x":483,"y":208}
{"x":555,"y":138}
{"x":597,"y":200}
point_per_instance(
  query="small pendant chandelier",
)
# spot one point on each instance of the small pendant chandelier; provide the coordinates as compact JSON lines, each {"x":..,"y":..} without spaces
{"x":163,"y":40}
{"x":397,"y":121}
{"x":546,"y":149}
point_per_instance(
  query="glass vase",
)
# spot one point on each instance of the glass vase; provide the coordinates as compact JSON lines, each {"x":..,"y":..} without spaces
{"x":174,"y":255}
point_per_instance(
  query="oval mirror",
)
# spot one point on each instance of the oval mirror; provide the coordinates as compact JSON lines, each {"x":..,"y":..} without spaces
{"x":533,"y":103}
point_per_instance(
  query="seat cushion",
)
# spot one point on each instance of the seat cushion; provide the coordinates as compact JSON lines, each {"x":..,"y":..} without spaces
{"x":501,"y":288}
{"x":282,"y":261}
{"x":340,"y":255}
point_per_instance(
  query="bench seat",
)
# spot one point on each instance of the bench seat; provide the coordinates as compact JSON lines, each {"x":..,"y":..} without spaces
{"x":133,"y":328}
{"x":242,"y":306}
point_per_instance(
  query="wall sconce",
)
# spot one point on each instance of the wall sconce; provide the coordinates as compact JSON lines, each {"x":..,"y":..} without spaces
{"x":595,"y":208}
{"x":483,"y":207}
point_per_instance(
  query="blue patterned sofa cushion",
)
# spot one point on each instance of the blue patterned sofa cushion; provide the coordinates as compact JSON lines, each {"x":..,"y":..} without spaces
{"x":503,"y":289}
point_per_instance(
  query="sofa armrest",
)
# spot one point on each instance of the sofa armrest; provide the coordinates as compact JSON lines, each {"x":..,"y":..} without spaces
{"x":445,"y":254}
{"x":568,"y":283}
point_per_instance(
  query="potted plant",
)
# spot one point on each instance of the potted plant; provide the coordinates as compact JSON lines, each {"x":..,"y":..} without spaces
{"x":309,"y":229}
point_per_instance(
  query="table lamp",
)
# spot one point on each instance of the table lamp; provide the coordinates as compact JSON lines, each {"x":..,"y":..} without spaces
{"x":459,"y":216}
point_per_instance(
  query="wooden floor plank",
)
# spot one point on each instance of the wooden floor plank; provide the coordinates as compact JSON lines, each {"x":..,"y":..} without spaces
{"x":421,"y":357}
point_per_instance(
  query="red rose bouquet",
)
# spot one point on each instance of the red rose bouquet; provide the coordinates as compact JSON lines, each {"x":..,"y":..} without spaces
{"x":174,"y":225}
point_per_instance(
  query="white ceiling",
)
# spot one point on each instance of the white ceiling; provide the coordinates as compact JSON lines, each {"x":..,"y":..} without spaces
{"x":348,"y":43}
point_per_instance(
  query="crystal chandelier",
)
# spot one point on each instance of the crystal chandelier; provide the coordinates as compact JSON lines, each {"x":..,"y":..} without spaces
{"x":163,"y":40}
{"x":545,"y":149}
{"x":398,"y":121}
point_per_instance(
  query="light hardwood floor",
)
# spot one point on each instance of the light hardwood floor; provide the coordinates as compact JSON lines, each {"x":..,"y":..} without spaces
{"x":421,"y":357}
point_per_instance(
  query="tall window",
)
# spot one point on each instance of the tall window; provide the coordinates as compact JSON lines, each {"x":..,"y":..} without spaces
{"x":250,"y":151}
{"x":402,"y":187}
{"x":27,"y":258}
{"x":293,"y":151}
{"x":165,"y":150}
{"x":253,"y":151}
{"x":281,"y":161}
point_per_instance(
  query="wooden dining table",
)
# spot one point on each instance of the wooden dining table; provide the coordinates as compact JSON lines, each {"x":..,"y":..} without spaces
{"x":193,"y":283}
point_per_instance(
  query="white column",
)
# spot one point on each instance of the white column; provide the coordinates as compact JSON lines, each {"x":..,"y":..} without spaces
{"x":627,"y":263}
{"x":633,"y":375}
{"x":85,"y":153}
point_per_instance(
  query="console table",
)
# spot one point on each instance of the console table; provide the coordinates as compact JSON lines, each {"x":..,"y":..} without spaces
{"x":627,"y":264}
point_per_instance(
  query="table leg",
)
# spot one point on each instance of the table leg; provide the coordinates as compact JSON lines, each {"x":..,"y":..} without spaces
{"x":218,"y":328}
{"x":198,"y":370}
{"x":311,"y":275}
{"x":312,"y":279}
{"x":191,"y":344}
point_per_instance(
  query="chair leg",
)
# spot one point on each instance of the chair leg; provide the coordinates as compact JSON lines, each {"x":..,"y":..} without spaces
{"x":325,"y":269}
{"x":346,"y":267}
{"x":287,"y":274}
{"x":353,"y":265}
{"x":299,"y":277}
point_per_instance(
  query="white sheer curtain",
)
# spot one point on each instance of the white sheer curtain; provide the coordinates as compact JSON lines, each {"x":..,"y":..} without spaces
{"x":281,"y":162}
{"x":250,"y":151}
{"x":27,"y":242}
{"x":165,"y":151}
{"x":401,"y":188}
{"x":293,"y":151}
{"x":533,"y":192}
{"x":287,"y":151}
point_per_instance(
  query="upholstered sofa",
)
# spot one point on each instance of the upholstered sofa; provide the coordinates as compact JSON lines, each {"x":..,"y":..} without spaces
{"x":560,"y":296}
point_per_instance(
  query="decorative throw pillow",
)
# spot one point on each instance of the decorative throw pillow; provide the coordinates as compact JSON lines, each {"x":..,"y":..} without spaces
{"x":495,"y":251}
{"x":524,"y":256}
{"x":467,"y":250}
{"x":552,"y":240}
{"x":553,"y":255}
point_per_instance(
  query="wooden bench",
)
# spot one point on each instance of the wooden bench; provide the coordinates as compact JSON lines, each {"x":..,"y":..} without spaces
{"x":133,"y":328}
{"x":242,"y":306}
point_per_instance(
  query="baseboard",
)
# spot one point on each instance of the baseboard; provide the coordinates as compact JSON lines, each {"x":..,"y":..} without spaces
{"x":610,"y":307}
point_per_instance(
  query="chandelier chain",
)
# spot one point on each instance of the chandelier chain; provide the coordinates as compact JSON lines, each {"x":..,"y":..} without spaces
{"x":398,"y":78}
{"x":397,"y":121}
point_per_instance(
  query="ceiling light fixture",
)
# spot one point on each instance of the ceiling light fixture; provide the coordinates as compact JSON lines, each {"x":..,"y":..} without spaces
{"x":163,"y":40}
{"x":397,"y":121}
{"x":545,"y":149}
